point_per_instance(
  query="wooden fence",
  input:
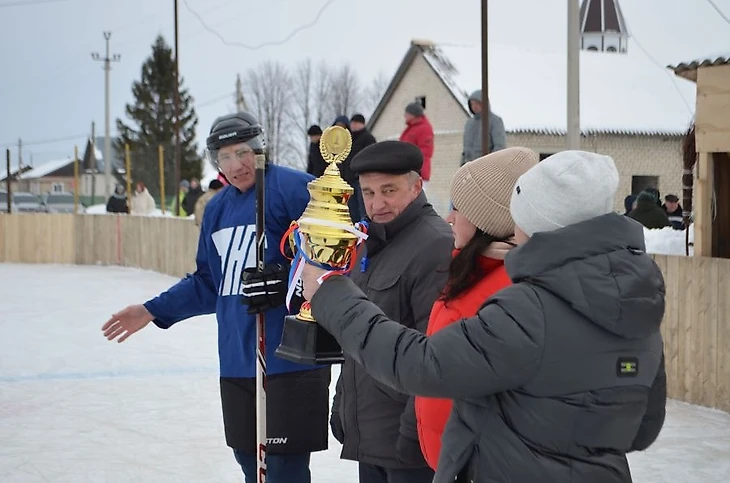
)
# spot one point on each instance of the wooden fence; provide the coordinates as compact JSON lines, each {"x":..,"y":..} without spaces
{"x":696,"y":324}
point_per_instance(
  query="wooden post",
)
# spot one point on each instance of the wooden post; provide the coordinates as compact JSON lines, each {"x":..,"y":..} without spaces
{"x":572,"y":138}
{"x":485,"y":78}
{"x":703,"y":205}
{"x":128,"y":169}
{"x":161,"y":161}
{"x":76,"y":179}
{"x":7,"y":181}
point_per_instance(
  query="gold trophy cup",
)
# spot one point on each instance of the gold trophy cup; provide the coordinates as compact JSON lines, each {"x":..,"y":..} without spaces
{"x":325,"y":240}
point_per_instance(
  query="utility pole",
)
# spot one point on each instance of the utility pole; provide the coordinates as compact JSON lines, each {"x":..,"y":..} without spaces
{"x":20,"y":155}
{"x":93,"y":164}
{"x":177,"y":119}
{"x":240,"y":101}
{"x":107,"y":59}
{"x":485,"y":79}
{"x":572,"y":137}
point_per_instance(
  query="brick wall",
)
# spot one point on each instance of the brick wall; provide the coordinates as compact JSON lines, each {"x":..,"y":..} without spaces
{"x":634,"y":155}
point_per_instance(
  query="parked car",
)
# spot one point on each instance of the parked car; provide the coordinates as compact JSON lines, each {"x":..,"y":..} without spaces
{"x":61,"y":203}
{"x":4,"y":203}
{"x":27,"y":202}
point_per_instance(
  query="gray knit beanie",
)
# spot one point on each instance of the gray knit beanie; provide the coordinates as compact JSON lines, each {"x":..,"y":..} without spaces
{"x":481,"y":189}
{"x":415,"y":109}
{"x":564,"y":189}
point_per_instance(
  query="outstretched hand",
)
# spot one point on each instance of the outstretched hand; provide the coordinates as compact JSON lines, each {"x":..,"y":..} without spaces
{"x":126,"y":322}
{"x":310,"y":276}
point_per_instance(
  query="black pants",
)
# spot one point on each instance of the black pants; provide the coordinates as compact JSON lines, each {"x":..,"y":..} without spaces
{"x":378,"y":474}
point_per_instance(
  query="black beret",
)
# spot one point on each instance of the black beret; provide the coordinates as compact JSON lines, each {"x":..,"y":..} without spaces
{"x":314,"y":130}
{"x":392,"y":157}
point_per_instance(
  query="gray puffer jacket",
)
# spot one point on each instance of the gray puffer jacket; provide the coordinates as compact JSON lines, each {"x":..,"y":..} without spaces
{"x":554,"y":380}
{"x":473,"y":132}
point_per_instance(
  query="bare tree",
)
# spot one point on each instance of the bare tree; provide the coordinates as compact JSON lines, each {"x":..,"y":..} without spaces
{"x":322,"y":94}
{"x":346,"y":95}
{"x":302,"y":108}
{"x":373,"y":93}
{"x":270,"y":88}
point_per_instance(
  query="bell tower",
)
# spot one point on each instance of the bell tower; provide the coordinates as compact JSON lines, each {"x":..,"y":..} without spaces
{"x":602,"y":27}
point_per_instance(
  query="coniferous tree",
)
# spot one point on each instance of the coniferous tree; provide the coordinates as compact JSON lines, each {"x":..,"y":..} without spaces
{"x":152,"y":117}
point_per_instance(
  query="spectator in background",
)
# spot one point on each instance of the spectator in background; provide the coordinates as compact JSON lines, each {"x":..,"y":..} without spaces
{"x":315,"y":162}
{"x":648,"y":212}
{"x":213,"y":187}
{"x":194,"y":193}
{"x":674,"y":211}
{"x":361,"y":138}
{"x":473,"y":130}
{"x":629,"y":204}
{"x":142,"y":201}
{"x":419,"y":131}
{"x":117,"y":202}
{"x":184,"y":187}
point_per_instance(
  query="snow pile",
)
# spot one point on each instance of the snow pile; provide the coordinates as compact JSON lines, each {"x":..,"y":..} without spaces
{"x":668,"y":241}
{"x":101,"y":210}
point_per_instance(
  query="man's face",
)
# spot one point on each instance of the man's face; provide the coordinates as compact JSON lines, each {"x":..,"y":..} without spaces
{"x":314,"y":138}
{"x":387,"y":195}
{"x":409,"y":117}
{"x":238,"y":164}
{"x":194,"y":184}
{"x":475,"y":106}
{"x":672,"y":205}
{"x":356,"y":126}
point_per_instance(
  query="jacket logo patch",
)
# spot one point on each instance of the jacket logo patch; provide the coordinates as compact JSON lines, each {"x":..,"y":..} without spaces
{"x":627,"y":367}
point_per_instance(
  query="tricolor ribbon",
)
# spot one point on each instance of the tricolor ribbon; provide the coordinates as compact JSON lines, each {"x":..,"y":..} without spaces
{"x":300,"y":257}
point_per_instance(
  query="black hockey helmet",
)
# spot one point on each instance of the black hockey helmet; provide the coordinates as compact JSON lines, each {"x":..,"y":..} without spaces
{"x":235,"y":128}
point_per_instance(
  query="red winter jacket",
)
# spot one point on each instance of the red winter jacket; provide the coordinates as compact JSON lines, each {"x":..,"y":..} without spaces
{"x":419,"y":132}
{"x":432,"y":413}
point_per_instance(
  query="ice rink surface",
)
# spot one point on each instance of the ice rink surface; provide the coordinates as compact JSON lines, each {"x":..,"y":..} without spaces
{"x":77,"y":408}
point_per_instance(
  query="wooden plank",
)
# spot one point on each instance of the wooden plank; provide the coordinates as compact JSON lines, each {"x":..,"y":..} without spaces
{"x":670,"y":324}
{"x":706,"y":357}
{"x":3,"y":234}
{"x":722,"y":347}
{"x":703,"y":194}
{"x":713,"y":104}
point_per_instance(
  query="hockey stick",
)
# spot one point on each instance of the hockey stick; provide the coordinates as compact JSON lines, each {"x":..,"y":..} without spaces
{"x":260,"y":327}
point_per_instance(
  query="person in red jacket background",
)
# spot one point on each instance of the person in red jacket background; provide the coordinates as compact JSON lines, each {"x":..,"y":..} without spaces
{"x":483,"y":235}
{"x":419,"y":131}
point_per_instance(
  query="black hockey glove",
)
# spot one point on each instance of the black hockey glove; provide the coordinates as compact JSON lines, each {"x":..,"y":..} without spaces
{"x":265,"y":290}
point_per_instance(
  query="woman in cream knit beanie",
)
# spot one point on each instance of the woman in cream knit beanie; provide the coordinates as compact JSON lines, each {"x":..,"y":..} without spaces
{"x":483,"y":231}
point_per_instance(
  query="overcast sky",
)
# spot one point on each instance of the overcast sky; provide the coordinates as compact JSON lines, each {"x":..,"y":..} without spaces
{"x":50,"y":88}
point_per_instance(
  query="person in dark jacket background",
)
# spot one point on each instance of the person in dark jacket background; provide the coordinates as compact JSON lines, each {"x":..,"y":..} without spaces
{"x":559,"y":375}
{"x":315,"y":162}
{"x":403,"y":270}
{"x":117,"y":202}
{"x":674,"y":211}
{"x":629,"y":204}
{"x":361,"y":138}
{"x":648,"y":212}
{"x":192,"y":196}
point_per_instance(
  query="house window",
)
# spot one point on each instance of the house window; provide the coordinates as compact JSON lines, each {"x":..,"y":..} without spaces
{"x":58,"y":188}
{"x":422,"y":101}
{"x":640,"y":183}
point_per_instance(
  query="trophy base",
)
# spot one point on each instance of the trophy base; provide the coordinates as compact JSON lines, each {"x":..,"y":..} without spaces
{"x":306,"y":342}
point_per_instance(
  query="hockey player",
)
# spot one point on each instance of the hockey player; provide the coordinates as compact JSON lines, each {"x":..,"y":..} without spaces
{"x":297,"y":395}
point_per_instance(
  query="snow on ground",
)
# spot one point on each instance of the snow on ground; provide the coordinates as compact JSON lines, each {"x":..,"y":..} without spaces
{"x":75,"y":407}
{"x":668,"y":241}
{"x":101,"y":210}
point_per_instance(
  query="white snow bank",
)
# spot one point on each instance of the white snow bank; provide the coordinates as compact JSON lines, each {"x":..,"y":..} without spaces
{"x":668,"y":241}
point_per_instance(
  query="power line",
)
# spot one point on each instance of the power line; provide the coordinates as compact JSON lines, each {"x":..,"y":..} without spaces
{"x":46,"y":141}
{"x":717,"y":9}
{"x":230,"y":95}
{"x":264,"y":44}
{"x":671,"y":76}
{"x":29,"y":2}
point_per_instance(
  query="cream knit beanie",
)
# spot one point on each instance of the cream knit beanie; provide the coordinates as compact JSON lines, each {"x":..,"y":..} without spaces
{"x":481,"y":189}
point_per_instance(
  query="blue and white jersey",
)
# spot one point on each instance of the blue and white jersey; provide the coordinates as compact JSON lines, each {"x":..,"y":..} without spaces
{"x":226,"y":247}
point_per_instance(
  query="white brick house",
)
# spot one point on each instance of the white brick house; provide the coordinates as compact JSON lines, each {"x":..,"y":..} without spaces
{"x":631,"y":109}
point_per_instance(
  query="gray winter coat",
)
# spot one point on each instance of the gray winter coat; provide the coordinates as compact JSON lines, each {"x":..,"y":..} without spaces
{"x":404,"y":273}
{"x":554,"y":380}
{"x":473,"y":133}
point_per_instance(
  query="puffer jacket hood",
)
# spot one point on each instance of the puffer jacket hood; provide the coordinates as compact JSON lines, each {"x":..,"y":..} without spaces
{"x":599,"y":268}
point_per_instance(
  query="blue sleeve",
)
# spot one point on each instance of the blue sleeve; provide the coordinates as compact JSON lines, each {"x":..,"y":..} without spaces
{"x":196,"y":294}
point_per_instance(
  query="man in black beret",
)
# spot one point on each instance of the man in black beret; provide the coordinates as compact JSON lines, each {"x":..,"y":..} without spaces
{"x":402,"y":269}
